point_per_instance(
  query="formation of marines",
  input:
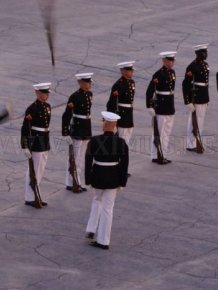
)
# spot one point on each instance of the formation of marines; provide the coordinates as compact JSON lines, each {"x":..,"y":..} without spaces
{"x":104,"y":159}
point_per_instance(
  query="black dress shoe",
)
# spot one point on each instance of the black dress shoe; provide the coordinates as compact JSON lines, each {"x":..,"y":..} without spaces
{"x":33,"y":204}
{"x":90,"y":236}
{"x":80,"y":189}
{"x":97,"y":245}
{"x":161,"y":162}
{"x":164,"y":161}
{"x":192,"y":149}
{"x":30,"y":203}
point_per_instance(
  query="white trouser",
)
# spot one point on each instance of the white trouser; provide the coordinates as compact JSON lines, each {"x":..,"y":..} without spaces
{"x":200,"y":112}
{"x":39,"y":161}
{"x":125,"y":133}
{"x":165,"y":125}
{"x":101,"y":214}
{"x":79,"y":149}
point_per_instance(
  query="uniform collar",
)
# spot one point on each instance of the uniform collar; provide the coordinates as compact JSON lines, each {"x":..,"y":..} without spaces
{"x":109,"y":133}
{"x":40,"y":102}
{"x":125,"y":79}
{"x":83,"y":91}
{"x":165,"y":68}
{"x":199,"y":60}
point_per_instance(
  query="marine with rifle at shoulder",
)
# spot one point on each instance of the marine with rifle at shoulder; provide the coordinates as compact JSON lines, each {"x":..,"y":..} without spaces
{"x":121,"y":100}
{"x":160,"y":105}
{"x":196,"y":95}
{"x":35,"y":142}
{"x":76,"y":127}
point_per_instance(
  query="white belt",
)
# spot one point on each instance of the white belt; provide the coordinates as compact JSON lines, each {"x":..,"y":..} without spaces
{"x":82,"y":116}
{"x":105,"y":163}
{"x":125,"y":105}
{"x":40,"y":129}
{"x":164,"y":93}
{"x":201,"y":84}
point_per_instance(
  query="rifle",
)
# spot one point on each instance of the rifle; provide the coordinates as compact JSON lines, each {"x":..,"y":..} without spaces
{"x":195,"y":131}
{"x":157,"y":141}
{"x":34,"y":185}
{"x":47,"y":11}
{"x":50,"y":37}
{"x":72,"y":170}
{"x":33,"y":180}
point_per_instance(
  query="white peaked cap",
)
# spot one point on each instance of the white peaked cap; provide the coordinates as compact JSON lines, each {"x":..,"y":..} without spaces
{"x":200,"y":46}
{"x":164,"y":54}
{"x":84,"y":76}
{"x":109,"y":116}
{"x":128,"y":64}
{"x":42,"y":86}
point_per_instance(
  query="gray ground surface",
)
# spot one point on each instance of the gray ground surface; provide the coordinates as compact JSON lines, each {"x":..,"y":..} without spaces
{"x":164,"y":234}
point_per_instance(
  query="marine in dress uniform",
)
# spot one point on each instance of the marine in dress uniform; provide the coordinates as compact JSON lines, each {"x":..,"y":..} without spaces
{"x":106,"y":167}
{"x":76,"y":125}
{"x":195,"y":92}
{"x":160,"y":102}
{"x":122,"y":98}
{"x":35,"y":137}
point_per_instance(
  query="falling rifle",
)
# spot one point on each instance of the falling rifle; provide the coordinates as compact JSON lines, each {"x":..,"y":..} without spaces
{"x":157,"y":141}
{"x":33,"y":179}
{"x":195,"y":130}
{"x":50,"y":37}
{"x":47,"y":10}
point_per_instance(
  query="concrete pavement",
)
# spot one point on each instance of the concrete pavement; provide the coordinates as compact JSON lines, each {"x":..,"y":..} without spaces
{"x":164,"y":234}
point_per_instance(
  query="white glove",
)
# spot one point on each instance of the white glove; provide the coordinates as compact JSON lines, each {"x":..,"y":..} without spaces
{"x":191,"y":107}
{"x":151,"y":111}
{"x":69,"y":140}
{"x":27,"y":153}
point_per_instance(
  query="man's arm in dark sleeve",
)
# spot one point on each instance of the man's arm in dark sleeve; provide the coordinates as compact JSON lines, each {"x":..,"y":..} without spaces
{"x":88,"y":164}
{"x":113,"y":99}
{"x":124,"y":163}
{"x":187,"y":86}
{"x":151,"y":90}
{"x":26,"y":126}
{"x":66,"y":118}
